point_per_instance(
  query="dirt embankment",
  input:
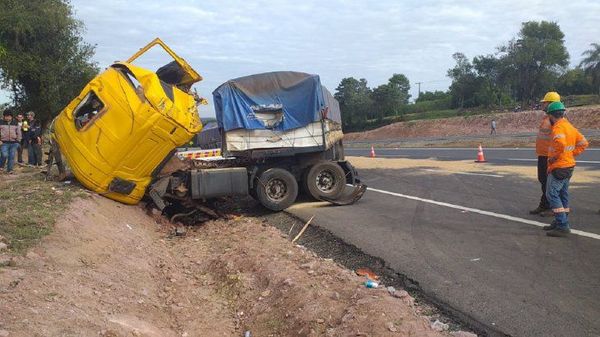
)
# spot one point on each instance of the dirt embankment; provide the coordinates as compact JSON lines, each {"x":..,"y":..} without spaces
{"x":112,"y":270}
{"x":507,"y":123}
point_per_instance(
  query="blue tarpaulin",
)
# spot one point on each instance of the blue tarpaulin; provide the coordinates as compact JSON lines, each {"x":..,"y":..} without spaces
{"x":278,"y":101}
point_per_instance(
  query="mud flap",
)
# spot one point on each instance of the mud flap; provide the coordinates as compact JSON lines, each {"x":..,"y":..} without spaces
{"x":358,"y":188}
{"x":348,"y":198}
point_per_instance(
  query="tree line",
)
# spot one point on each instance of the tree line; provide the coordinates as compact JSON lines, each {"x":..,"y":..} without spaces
{"x":44,"y":61}
{"x":518,"y":73}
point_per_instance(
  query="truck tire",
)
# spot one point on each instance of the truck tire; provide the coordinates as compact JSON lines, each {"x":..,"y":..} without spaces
{"x":276,"y":189}
{"x":325,"y":179}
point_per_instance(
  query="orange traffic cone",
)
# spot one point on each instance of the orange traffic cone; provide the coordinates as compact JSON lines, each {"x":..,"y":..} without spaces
{"x":372,"y":152}
{"x":480,"y":157}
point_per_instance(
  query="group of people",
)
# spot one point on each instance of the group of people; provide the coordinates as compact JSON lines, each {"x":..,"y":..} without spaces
{"x":16,"y":134}
{"x":558,"y":143}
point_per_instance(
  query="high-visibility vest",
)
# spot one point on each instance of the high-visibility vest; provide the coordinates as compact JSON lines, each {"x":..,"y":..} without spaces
{"x":544,"y":137}
{"x":567,"y":143}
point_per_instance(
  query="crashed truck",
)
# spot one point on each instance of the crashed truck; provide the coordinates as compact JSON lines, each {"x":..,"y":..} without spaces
{"x":281,"y":133}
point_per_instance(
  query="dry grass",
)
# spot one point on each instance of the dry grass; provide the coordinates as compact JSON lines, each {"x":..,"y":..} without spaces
{"x":29,"y":206}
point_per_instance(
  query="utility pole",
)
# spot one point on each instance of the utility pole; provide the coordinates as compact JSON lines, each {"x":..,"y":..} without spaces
{"x":419,"y":84}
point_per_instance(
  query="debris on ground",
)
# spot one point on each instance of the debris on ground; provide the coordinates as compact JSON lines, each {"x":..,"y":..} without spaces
{"x":439,"y":326}
{"x":368,"y":273}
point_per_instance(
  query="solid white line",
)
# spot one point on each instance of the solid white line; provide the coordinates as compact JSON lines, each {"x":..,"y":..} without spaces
{"x":578,"y":161}
{"x":467,"y":173}
{"x":482,"y":212}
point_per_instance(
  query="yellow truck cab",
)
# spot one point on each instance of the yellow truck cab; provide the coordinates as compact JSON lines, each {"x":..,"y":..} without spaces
{"x":125,"y":124}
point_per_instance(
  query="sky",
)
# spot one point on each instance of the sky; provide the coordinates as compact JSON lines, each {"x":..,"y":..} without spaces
{"x":335,"y":39}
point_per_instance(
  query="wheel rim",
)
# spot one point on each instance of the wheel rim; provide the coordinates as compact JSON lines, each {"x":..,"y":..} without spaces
{"x":276,"y":189}
{"x":325,"y":181}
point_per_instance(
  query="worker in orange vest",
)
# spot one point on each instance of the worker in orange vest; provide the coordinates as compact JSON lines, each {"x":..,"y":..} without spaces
{"x":542,"y":143}
{"x":567,"y":143}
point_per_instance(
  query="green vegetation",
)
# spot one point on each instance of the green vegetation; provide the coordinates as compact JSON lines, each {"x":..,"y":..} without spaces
{"x":44,"y":62}
{"x":516,"y":75}
{"x":29,"y":207}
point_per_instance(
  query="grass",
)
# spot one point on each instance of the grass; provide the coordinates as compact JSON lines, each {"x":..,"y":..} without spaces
{"x":29,"y":207}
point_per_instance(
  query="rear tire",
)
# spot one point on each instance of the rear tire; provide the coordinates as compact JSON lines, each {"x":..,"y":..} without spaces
{"x":276,"y":189}
{"x":325,"y":179}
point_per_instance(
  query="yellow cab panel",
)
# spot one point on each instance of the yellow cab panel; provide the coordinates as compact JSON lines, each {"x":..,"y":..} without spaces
{"x":124,"y":124}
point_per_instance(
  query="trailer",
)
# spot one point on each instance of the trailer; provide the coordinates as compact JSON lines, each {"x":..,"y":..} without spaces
{"x":280,"y":134}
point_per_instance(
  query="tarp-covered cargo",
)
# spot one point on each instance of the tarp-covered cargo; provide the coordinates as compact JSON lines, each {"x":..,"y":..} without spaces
{"x":278,"y":101}
{"x":277,"y":110}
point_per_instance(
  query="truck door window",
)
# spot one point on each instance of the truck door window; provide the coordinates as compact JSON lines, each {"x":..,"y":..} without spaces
{"x":87,"y":110}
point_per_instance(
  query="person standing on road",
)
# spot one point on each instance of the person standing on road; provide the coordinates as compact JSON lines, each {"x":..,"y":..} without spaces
{"x":567,"y":143}
{"x":493,"y":125}
{"x":10,"y":136}
{"x":542,"y":143}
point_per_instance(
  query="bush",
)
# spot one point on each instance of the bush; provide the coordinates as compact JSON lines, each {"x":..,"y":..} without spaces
{"x":579,"y":100}
{"x":438,"y":104}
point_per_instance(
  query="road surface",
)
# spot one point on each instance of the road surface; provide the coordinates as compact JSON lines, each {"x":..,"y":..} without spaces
{"x":470,"y":242}
{"x":499,"y":155}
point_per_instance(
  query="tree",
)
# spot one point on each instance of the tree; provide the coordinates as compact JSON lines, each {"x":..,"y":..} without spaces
{"x":389,"y":97}
{"x":464,"y":82}
{"x":355,"y":101}
{"x":432,"y":96}
{"x":43,"y":59}
{"x":574,"y":82}
{"x":535,"y":59}
{"x":591,"y":64}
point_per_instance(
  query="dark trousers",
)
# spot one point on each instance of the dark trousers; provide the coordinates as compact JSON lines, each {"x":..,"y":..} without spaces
{"x":37,"y":154}
{"x":543,"y":178}
{"x":20,"y":152}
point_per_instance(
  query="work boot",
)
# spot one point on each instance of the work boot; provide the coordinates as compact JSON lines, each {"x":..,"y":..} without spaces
{"x":559,"y":232}
{"x":538,"y":210}
{"x":550,"y":227}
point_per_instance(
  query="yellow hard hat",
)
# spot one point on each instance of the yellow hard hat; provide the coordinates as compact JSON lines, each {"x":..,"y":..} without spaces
{"x":551,"y":96}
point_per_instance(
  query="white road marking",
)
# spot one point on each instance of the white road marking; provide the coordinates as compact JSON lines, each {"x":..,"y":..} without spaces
{"x":482,"y":212}
{"x":466,"y":173}
{"x":578,"y":161}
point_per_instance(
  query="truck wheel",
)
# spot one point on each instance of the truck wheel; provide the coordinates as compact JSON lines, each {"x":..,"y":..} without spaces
{"x":276,"y":189}
{"x":325,"y":179}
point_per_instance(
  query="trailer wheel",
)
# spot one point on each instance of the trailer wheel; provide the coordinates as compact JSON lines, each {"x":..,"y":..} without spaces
{"x":325,"y":179}
{"x":276,"y":189}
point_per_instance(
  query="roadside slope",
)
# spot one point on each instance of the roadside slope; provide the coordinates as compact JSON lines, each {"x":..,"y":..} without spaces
{"x":111,"y":270}
{"x":587,"y":117}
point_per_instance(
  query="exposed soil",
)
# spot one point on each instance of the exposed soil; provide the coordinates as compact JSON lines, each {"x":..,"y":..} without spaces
{"x":112,"y":270}
{"x":524,"y":122}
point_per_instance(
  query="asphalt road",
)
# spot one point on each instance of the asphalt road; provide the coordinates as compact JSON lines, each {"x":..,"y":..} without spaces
{"x":591,"y":157}
{"x":469,"y":241}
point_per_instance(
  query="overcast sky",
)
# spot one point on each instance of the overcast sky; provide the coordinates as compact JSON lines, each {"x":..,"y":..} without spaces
{"x":335,"y":39}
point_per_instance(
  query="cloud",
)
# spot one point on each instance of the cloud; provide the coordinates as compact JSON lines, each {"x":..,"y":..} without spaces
{"x":335,"y":39}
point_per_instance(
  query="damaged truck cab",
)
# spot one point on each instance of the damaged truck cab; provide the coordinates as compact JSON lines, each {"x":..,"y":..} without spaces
{"x":125,"y":123}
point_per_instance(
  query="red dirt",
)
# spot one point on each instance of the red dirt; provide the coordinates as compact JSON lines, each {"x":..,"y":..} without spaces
{"x":111,"y":270}
{"x":507,"y":123}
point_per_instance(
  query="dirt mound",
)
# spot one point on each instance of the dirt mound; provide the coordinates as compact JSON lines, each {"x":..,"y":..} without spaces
{"x":507,"y":123}
{"x":111,"y":270}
